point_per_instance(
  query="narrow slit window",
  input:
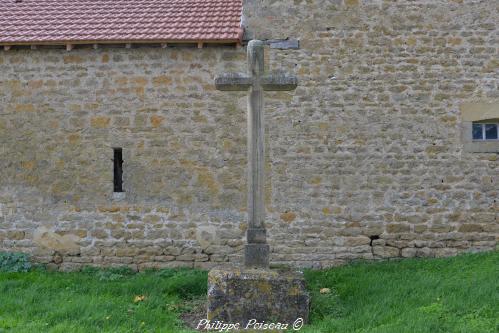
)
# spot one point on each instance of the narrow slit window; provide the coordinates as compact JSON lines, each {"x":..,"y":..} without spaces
{"x":118,"y":169}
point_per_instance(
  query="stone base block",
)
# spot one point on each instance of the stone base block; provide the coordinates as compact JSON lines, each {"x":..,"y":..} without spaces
{"x":271,"y":296}
{"x":256,"y":256}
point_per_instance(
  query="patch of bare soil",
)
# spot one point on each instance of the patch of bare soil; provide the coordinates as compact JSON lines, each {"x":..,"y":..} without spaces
{"x":194,"y":312}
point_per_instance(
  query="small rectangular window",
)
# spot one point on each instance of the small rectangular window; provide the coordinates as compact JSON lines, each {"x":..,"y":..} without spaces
{"x":118,"y":169}
{"x":491,"y":131}
{"x":485,"y":131}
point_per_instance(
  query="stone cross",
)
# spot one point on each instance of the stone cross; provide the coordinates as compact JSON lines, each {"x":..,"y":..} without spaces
{"x":256,"y":81}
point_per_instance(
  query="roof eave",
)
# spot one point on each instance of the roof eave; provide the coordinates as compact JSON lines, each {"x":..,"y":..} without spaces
{"x":123,"y":41}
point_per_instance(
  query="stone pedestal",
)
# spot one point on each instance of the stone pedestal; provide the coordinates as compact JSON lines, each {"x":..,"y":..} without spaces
{"x":256,"y":256}
{"x":240,"y":295}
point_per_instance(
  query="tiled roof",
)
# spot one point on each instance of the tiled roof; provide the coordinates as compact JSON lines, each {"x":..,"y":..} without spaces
{"x":64,"y":21}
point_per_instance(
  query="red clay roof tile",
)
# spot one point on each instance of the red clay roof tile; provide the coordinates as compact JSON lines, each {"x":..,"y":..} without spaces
{"x":64,"y":21}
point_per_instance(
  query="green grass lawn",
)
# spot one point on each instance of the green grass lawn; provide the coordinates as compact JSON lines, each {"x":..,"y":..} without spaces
{"x":458,"y":294}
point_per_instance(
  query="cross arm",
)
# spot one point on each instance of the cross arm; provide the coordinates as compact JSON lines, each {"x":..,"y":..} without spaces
{"x":279,"y":82}
{"x":233,"y":82}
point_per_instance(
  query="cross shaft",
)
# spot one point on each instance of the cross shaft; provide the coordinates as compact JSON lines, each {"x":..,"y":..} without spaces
{"x":256,"y":81}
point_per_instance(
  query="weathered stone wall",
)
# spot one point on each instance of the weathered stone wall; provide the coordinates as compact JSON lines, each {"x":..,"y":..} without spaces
{"x":369,"y":145}
{"x":183,"y":145}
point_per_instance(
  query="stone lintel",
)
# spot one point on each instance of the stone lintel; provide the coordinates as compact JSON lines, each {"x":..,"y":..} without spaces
{"x":279,"y":82}
{"x":239,"y":295}
{"x":233,"y":82}
{"x":482,"y":110}
{"x":284,"y":44}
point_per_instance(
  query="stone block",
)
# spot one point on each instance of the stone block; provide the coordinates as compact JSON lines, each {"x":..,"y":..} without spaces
{"x":284,"y":44}
{"x":100,"y":122}
{"x":408,"y":252}
{"x":470,"y":228}
{"x":386,"y":251}
{"x":256,"y":255}
{"x":240,"y":295}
